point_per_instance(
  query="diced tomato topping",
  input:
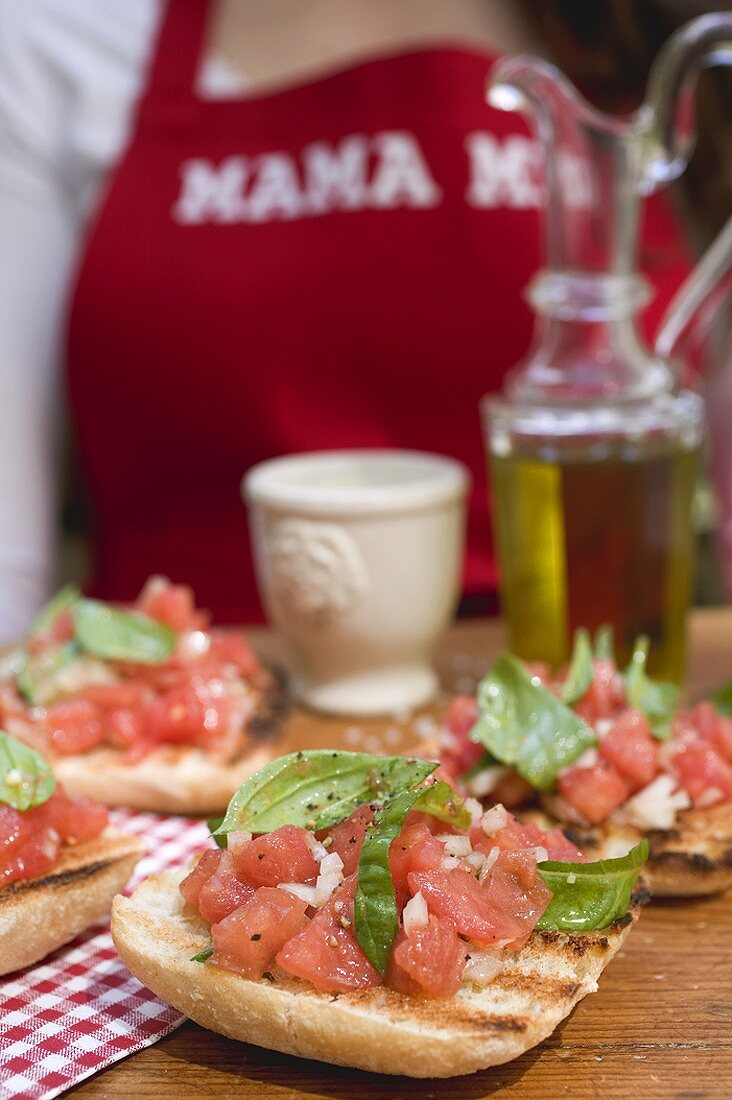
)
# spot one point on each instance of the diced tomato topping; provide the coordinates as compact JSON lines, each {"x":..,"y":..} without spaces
{"x":205,"y":867}
{"x":281,"y":856}
{"x":249,"y":938}
{"x":127,"y":729}
{"x":702,"y":772}
{"x":415,"y":849}
{"x":326,"y":953}
{"x":525,"y":834}
{"x":224,"y":891}
{"x":75,"y":819}
{"x":458,"y":896}
{"x":172,"y":604}
{"x":457,"y":752}
{"x":704,"y":721}
{"x":559,"y":847}
{"x":629,"y":745}
{"x":605,"y":695}
{"x":348,"y":837}
{"x":595,"y":791}
{"x":512,"y":790}
{"x":73,"y":726}
{"x":31,"y":840}
{"x":516,"y":888}
{"x":230,"y":647}
{"x":432,"y":958}
{"x":195,"y":714}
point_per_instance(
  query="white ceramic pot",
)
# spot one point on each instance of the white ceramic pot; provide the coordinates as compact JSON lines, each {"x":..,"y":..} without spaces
{"x":358,"y":557}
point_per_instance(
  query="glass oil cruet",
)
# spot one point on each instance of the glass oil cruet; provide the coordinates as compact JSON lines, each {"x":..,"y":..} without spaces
{"x":593,"y":444}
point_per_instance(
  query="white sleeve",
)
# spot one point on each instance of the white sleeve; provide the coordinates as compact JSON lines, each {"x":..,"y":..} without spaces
{"x":36,"y":245}
{"x":70,"y":71}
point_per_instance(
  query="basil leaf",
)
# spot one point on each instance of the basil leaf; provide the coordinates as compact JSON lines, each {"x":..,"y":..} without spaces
{"x":213,"y":824}
{"x":579,"y":677}
{"x":375,"y":910}
{"x":658,"y":700}
{"x":587,"y":896}
{"x":118,"y":635}
{"x":524,"y":725}
{"x":26,"y":779}
{"x":64,"y":599}
{"x":723,"y":700}
{"x":317,"y":789}
{"x":37,"y":675}
{"x":605,"y":643}
{"x":202,"y":956}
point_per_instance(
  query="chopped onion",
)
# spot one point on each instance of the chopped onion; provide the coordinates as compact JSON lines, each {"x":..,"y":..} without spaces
{"x":656,"y":806}
{"x":324,"y":887}
{"x":540,"y":853}
{"x":331,"y":864}
{"x":318,"y":850}
{"x":482,"y":967}
{"x":457,"y":845}
{"x":300,"y":890}
{"x":490,"y":859}
{"x":494,"y":820}
{"x":474,"y":808}
{"x":603,"y":726}
{"x":449,"y":863}
{"x":476,"y":860}
{"x":414,"y":914}
{"x":486,"y":780}
{"x":237,"y":840}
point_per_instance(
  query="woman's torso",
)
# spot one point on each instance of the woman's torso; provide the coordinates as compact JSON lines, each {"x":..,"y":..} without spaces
{"x":338,"y":264}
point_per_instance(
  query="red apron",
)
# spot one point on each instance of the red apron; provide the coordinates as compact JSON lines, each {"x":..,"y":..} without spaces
{"x":335,"y":265}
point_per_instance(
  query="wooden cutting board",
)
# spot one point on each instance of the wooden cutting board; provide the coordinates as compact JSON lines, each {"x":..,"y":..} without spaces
{"x":660,"y":1026}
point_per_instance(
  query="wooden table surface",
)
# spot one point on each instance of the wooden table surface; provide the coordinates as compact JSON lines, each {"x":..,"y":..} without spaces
{"x":660,"y":1026}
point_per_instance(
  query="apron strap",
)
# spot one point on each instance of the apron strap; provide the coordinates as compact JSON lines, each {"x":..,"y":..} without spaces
{"x":174,"y":61}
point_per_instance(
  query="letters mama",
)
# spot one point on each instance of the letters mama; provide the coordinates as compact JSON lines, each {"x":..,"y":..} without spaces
{"x":383,"y":171}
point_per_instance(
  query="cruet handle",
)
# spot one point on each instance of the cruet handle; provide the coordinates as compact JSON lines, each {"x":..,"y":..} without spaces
{"x":666,"y":120}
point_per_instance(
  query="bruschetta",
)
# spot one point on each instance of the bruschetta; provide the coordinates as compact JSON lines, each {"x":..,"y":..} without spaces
{"x":363,"y":914}
{"x":607,"y":754}
{"x":146,"y":707}
{"x":60,"y":863}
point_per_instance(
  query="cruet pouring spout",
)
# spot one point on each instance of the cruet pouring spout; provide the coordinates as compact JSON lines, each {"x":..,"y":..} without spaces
{"x":597,"y":168}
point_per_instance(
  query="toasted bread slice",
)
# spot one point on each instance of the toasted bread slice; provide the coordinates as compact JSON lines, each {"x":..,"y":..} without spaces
{"x":374,"y":1029}
{"x":692,"y":859}
{"x":178,"y":779}
{"x":173,"y":779}
{"x":39,"y":915}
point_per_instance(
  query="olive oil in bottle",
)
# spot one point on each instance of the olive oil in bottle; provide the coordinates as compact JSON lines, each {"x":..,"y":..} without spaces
{"x":588,"y":540}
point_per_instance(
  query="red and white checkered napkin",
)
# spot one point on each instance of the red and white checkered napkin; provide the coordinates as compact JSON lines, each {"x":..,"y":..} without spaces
{"x":80,"y":1010}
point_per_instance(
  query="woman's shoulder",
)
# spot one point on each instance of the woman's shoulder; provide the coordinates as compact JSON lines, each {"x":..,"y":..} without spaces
{"x":63,"y":62}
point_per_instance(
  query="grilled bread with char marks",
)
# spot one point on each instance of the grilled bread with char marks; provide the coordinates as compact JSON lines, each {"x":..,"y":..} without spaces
{"x":39,"y":915}
{"x":374,"y":1029}
{"x":692,"y":859}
